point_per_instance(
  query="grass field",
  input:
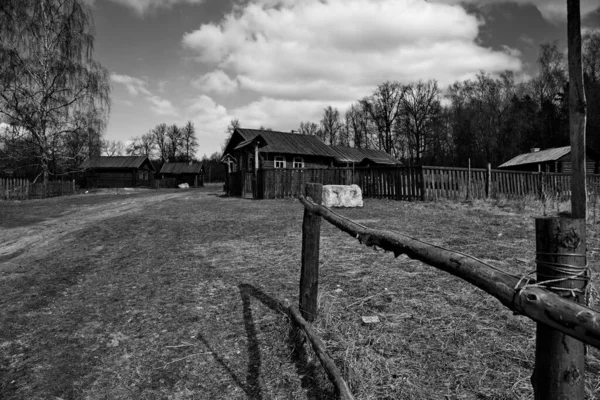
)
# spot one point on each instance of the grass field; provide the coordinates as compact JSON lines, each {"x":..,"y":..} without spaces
{"x":176,"y":294}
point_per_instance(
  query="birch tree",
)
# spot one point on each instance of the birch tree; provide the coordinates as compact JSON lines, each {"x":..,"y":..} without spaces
{"x":48,"y":77}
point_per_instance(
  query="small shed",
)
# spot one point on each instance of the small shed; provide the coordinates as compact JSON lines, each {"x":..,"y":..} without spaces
{"x":350,"y":156}
{"x":186,"y":172}
{"x":551,"y":160}
{"x":117,"y":171}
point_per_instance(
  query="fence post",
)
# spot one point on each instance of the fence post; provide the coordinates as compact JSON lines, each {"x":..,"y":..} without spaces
{"x":488,"y":181}
{"x":559,"y":371}
{"x":309,"y":274}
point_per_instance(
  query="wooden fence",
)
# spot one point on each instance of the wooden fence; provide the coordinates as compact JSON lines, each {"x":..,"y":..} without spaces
{"x":409,"y":183}
{"x":398,"y":183}
{"x":22,"y":189}
{"x":564,"y":324}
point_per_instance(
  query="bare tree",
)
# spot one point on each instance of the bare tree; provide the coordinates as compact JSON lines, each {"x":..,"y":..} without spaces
{"x":383,"y":107}
{"x":420,"y":107}
{"x":358,"y":126}
{"x":308,"y":128}
{"x":591,"y":56}
{"x":174,"y":142}
{"x":189,"y":142}
{"x":161,"y":140}
{"x":331,"y":125}
{"x":112,"y":148}
{"x":552,"y":78}
{"x":47,"y":73}
{"x":233,"y":125}
{"x":142,"y":145}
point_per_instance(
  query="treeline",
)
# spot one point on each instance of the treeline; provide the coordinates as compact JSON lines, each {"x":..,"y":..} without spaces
{"x":488,"y":119}
{"x":166,"y":143}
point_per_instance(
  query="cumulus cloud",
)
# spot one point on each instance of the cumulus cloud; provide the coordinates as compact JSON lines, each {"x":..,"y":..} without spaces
{"x":211,"y":120}
{"x":134,"y":86}
{"x":281,"y":114}
{"x":552,"y":10}
{"x":341,"y":49}
{"x":141,"y":7}
{"x":139,"y":87}
{"x":216,"y":81}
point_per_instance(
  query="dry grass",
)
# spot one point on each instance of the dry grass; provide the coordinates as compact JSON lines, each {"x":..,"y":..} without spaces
{"x":180,"y":297}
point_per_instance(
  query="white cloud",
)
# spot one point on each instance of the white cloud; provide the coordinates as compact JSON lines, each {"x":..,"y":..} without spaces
{"x":339,"y":50}
{"x":211,"y":120}
{"x":283,"y":115}
{"x":216,"y":81}
{"x":162,"y":106}
{"x":136,"y":87}
{"x":552,"y":10}
{"x":141,"y":7}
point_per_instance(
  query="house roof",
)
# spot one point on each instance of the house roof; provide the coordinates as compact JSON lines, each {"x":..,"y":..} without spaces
{"x":115,"y":162}
{"x":181,"y":168}
{"x":287,"y":142}
{"x":537,"y":157}
{"x":354,"y":155}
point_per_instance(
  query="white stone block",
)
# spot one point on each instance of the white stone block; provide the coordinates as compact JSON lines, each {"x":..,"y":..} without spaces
{"x":342,"y":196}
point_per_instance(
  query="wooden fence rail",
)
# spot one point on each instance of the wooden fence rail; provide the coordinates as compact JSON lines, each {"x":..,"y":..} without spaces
{"x":409,"y":182}
{"x":22,"y":189}
{"x":543,"y":306}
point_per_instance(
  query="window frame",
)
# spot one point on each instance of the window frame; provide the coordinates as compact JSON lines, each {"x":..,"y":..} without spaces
{"x":298,"y":162}
{"x":279,"y":160}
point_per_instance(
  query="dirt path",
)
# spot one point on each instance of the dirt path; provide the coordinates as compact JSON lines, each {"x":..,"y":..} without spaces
{"x":31,"y":240}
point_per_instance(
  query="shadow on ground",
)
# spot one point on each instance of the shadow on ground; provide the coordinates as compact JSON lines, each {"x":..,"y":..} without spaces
{"x":313,"y":379}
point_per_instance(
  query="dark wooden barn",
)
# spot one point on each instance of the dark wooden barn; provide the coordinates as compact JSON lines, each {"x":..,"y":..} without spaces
{"x":551,"y":160}
{"x":117,"y":171}
{"x":190,"y":173}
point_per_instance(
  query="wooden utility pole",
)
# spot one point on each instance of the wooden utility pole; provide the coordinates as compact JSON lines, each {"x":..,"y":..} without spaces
{"x":559,"y":371}
{"x":577,"y":111}
{"x":311,"y":236}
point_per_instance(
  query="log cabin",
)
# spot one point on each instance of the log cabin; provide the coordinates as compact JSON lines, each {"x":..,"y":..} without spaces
{"x":191,"y":173}
{"x":117,"y":172}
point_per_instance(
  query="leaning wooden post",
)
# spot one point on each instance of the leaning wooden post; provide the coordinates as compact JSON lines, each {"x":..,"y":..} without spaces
{"x":488,"y":181}
{"x":309,"y":274}
{"x":559,"y":359}
{"x":577,"y":111}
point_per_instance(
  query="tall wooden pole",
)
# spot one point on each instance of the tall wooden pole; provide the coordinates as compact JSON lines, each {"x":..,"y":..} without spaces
{"x":577,"y":111}
{"x":559,"y":371}
{"x":311,"y":237}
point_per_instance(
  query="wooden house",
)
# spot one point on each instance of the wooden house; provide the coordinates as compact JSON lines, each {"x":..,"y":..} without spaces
{"x":350,"y":156}
{"x":253,"y":152}
{"x":117,"y":171}
{"x":551,"y":160}
{"x":187,"y":172}
{"x":248,"y":149}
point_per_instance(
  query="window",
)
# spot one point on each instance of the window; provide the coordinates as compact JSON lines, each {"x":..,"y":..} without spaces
{"x":298,"y":162}
{"x":279,"y":162}
{"x":250,"y":163}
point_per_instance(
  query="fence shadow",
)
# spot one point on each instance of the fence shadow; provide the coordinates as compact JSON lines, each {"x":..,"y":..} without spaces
{"x":312,"y":380}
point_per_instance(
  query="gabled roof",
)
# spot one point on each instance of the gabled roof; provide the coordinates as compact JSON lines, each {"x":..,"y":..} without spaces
{"x":354,"y":155}
{"x":538,"y":157}
{"x":286,"y":142}
{"x":181,"y":168}
{"x":259,"y":140}
{"x":116,"y":162}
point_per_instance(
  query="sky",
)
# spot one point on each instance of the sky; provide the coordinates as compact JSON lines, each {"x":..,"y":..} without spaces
{"x":276,"y":63}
